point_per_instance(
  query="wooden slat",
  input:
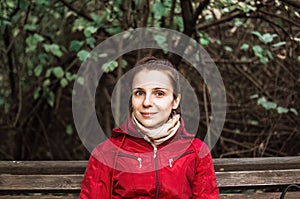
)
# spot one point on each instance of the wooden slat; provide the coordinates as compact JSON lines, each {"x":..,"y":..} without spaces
{"x":49,"y":196}
{"x":224,"y":179}
{"x":266,"y":163}
{"x":78,"y":167}
{"x":40,"y":182}
{"x":258,"y":178}
{"x":288,"y":195}
{"x":42,"y":167}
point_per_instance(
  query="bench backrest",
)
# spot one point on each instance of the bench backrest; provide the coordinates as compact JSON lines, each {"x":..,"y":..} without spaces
{"x":64,"y":177}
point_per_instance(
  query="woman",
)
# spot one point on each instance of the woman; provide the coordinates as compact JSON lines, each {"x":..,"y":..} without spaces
{"x":151,"y":154}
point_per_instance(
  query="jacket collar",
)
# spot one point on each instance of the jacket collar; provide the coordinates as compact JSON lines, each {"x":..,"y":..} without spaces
{"x":129,"y":129}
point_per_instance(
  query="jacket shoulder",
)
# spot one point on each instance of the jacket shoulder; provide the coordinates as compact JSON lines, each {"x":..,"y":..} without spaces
{"x":201,"y":148}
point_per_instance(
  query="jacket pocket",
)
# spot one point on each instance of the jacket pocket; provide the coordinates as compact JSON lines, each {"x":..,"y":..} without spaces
{"x":138,"y":159}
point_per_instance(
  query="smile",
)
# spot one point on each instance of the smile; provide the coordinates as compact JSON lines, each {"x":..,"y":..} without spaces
{"x":148,"y":114}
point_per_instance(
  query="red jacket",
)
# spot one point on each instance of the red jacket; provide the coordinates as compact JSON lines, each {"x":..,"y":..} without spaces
{"x":127,"y":166}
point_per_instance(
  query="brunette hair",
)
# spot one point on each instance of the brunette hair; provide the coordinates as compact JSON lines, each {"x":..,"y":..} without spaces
{"x":154,"y":63}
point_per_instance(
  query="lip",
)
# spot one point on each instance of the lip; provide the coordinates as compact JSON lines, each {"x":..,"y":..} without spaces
{"x":148,"y":114}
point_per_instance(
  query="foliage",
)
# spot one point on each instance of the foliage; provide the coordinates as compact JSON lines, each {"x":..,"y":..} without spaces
{"x":254,"y":43}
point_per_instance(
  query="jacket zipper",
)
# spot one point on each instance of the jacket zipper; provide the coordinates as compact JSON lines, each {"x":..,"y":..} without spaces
{"x":156,"y":172}
{"x":171,"y":160}
{"x":139,"y":159}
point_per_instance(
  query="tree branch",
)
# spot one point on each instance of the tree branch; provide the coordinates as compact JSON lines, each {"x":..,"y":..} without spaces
{"x":82,"y":14}
{"x":295,"y":3}
{"x":199,"y":9}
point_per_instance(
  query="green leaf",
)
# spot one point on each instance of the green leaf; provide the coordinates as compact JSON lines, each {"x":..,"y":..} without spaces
{"x":102,"y":55}
{"x":255,"y":96}
{"x":298,"y":58}
{"x":252,"y":122}
{"x":32,"y":41}
{"x":294,"y":111}
{"x":124,"y":63}
{"x":80,"y":80}
{"x":23,"y":4}
{"x":91,"y":42}
{"x":281,"y":110}
{"x":204,"y":41}
{"x":266,"y":104}
{"x":113,"y":30}
{"x":38,"y":70}
{"x":48,"y":72}
{"x":43,"y":58}
{"x":70,"y":76}
{"x":245,"y":47}
{"x":158,"y":9}
{"x":110,"y":66}
{"x":258,"y":50}
{"x":256,"y":33}
{"x":36,"y":93}
{"x":89,"y":31}
{"x":30,"y":27}
{"x":161,"y":41}
{"x":69,"y":129}
{"x":267,"y":38}
{"x":263,"y":60}
{"x":50,"y":98}
{"x":83,"y":55}
{"x":228,"y":48}
{"x":46,"y":83}
{"x":279,"y":44}
{"x":75,"y":45}
{"x":58,"y":72}
{"x":63,"y":82}
{"x":54,"y":49}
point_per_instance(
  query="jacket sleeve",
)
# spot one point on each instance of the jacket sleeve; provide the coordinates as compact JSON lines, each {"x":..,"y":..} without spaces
{"x":96,"y":182}
{"x":204,"y":184}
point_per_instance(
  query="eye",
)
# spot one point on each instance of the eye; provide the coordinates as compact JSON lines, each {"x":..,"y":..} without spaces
{"x":138,"y":93}
{"x":160,"y":93}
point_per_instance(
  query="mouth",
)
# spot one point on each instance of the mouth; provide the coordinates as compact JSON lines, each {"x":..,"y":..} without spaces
{"x":148,"y":114}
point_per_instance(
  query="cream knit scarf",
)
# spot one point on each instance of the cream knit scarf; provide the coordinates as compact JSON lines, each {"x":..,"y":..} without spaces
{"x":158,"y":135}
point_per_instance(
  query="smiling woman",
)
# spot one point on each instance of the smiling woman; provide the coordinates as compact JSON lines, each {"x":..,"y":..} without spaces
{"x":152,"y":153}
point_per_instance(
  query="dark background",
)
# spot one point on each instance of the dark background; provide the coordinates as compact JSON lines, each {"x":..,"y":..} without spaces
{"x":255,"y":44}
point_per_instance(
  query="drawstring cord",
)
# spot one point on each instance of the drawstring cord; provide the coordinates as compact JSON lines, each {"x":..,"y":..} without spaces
{"x":114,"y":168}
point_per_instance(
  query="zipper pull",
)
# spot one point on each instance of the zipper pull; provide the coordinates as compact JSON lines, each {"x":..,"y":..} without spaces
{"x":140,"y":161}
{"x":154,"y":151}
{"x":170,"y":162}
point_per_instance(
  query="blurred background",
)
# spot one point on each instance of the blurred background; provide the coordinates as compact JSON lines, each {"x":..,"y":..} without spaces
{"x":255,"y":45}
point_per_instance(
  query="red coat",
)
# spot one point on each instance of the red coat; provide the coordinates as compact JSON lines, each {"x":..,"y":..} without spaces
{"x":180,"y":168}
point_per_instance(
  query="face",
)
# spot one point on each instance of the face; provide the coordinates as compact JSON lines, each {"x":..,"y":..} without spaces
{"x":152,"y":97}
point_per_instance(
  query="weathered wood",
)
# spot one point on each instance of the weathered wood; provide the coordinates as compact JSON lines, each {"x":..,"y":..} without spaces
{"x":226,"y":164}
{"x":289,"y":195}
{"x":34,"y":179}
{"x":39,"y":196}
{"x":244,"y":164}
{"x":42,"y":167}
{"x":269,"y":178}
{"x":276,"y":195}
{"x":258,"y":178}
{"x":40,"y":182}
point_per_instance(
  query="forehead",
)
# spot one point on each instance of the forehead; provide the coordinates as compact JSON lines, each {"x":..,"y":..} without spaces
{"x":152,"y":78}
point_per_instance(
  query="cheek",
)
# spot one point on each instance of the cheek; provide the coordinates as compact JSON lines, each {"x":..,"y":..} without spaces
{"x":166,"y":105}
{"x":135,"y":103}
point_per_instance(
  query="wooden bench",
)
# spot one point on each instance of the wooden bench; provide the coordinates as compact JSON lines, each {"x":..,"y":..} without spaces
{"x":237,"y":178}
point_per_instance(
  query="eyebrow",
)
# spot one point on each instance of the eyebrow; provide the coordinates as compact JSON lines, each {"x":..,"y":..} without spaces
{"x":156,"y":88}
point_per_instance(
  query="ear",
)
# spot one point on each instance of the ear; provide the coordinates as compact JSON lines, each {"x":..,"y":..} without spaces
{"x":176,"y":101}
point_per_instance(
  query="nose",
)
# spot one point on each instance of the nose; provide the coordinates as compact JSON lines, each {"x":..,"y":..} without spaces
{"x":147,"y":100}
